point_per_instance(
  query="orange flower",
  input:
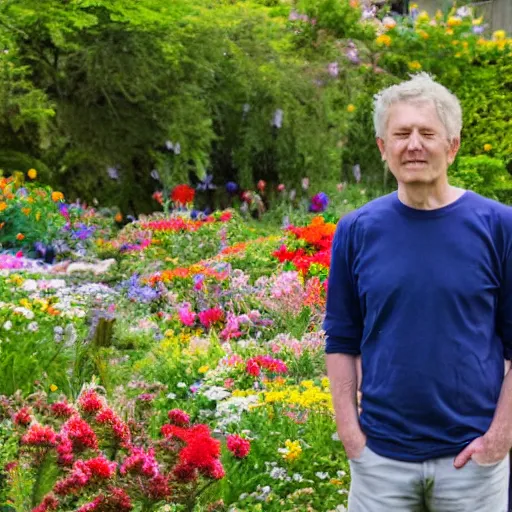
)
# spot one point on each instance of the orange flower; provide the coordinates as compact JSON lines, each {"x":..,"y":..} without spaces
{"x":32,"y":174}
{"x":118,"y":217}
{"x":2,"y":224}
{"x":3,"y":206}
{"x":26,"y":211}
{"x":57,"y":196}
{"x":20,"y":236}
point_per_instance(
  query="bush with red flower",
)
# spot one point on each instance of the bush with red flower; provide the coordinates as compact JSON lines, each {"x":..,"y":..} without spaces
{"x":95,"y":460}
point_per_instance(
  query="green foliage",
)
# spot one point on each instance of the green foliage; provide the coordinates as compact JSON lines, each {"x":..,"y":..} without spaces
{"x":484,"y":175}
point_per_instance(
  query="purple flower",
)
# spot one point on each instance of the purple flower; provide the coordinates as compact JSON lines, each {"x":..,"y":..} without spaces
{"x":22,"y":192}
{"x":83,"y":232}
{"x":294,"y":16}
{"x":333,"y":69}
{"x":353,"y":55}
{"x":319,"y":203}
{"x":478,"y":29}
{"x":369,"y":13}
{"x":154,"y":174}
{"x":207,"y":183}
{"x":231,"y":187}
{"x":113,"y":173}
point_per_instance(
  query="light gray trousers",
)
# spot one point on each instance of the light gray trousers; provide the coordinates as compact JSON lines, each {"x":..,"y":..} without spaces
{"x":380,"y":484}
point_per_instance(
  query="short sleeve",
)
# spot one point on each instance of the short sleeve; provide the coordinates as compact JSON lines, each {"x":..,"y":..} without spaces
{"x":343,"y":323}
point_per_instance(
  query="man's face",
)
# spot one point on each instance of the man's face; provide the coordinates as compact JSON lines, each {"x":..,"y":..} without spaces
{"x":416,"y":145}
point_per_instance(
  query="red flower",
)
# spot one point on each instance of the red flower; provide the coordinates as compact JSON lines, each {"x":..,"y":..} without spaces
{"x":179,"y":417}
{"x":158,"y":197}
{"x":119,"y":428}
{"x":100,"y":467}
{"x":22,"y":417}
{"x":211,"y":316}
{"x":65,"y":451}
{"x":184,"y":472}
{"x":252,"y":368}
{"x":80,"y":433}
{"x":50,"y":502}
{"x":238,"y":446}
{"x":183,"y":194}
{"x":225,"y":216}
{"x":117,"y":500}
{"x":62,"y":410}
{"x":38,"y":435}
{"x":158,"y":487}
{"x":90,"y":401}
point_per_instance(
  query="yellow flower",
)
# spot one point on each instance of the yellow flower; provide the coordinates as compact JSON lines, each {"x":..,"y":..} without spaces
{"x":449,"y":32}
{"x":351,"y":108}
{"x":3,"y":206}
{"x":292,"y":450}
{"x":384,"y":40}
{"x":414,"y":65}
{"x":423,"y":34}
{"x":478,"y":21}
{"x":499,"y":35}
{"x":53,"y":388}
{"x":203,"y":369}
{"x":32,"y":174}
{"x":25,"y":303}
{"x":57,"y":196}
{"x":454,"y":21}
{"x":413,"y":6}
{"x":308,"y":384}
{"x":38,"y":216}
{"x":487,"y":147}
{"x":422,"y":17}
{"x":325,"y":382}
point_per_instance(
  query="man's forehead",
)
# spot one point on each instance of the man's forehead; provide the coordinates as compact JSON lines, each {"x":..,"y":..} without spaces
{"x":413,"y":114}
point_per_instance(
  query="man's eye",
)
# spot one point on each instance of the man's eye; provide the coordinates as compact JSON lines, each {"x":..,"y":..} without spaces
{"x":402,"y":135}
{"x":428,"y":134}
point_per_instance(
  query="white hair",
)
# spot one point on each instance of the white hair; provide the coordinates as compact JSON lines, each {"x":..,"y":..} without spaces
{"x":420,"y":88}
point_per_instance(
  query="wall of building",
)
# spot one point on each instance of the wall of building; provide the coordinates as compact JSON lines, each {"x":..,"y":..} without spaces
{"x":497,"y":13}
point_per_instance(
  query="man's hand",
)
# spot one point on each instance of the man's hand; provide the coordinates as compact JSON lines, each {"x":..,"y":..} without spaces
{"x":483,"y":450}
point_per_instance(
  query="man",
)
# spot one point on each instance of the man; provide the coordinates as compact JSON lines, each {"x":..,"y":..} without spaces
{"x":420,"y":288}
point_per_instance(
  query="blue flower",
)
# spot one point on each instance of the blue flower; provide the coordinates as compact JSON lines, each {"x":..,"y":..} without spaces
{"x":231,"y":187}
{"x":207,"y":183}
{"x":319,"y":203}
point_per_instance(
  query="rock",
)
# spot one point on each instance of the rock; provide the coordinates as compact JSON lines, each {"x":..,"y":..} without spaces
{"x":96,"y":268}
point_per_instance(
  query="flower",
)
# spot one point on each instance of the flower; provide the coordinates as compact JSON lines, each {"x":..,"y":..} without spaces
{"x":178,"y":417}
{"x":319,"y":202}
{"x":487,"y":147}
{"x":351,"y":108}
{"x":231,"y":187}
{"x":20,"y":236}
{"x":53,"y":388}
{"x":3,"y":206}
{"x":50,"y":502}
{"x":389,"y":22}
{"x":37,"y":435}
{"x":383,"y":40}
{"x":333,"y":69}
{"x":89,"y":401}
{"x":499,"y":35}
{"x":22,"y":417}
{"x":32,"y":174}
{"x":252,"y":368}
{"x":57,"y":196}
{"x":261,"y":185}
{"x":238,"y":446}
{"x":211,"y":316}
{"x":292,"y":450}
{"x":414,"y":65}
{"x":183,"y":194}
{"x":118,"y":217}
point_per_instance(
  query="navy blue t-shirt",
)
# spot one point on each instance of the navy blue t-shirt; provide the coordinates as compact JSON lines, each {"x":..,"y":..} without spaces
{"x":425,"y":296}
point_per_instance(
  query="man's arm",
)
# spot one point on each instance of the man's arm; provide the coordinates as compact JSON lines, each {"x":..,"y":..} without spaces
{"x":494,"y":445}
{"x":342,"y":373}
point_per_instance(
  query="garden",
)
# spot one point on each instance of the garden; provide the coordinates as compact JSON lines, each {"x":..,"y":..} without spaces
{"x":168,"y":201}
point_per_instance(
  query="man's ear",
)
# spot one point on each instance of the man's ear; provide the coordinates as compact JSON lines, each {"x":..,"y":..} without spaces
{"x":454,"y":149}
{"x":382,"y":148}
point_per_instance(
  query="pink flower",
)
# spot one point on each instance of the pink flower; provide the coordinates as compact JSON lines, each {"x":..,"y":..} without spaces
{"x":90,"y":401}
{"x":119,"y":428}
{"x":62,"y":410}
{"x":281,"y":187}
{"x":238,"y":446}
{"x":22,"y":417}
{"x":186,"y":316}
{"x":50,"y":502}
{"x":252,"y":368}
{"x":80,"y":433}
{"x":140,"y":462}
{"x":211,"y":316}
{"x":37,"y":435}
{"x":179,"y":417}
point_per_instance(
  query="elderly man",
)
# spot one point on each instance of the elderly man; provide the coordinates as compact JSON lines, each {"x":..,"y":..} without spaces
{"x":420,"y":288}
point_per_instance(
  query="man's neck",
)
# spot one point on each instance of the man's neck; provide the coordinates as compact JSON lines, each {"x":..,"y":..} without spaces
{"x":428,"y":196}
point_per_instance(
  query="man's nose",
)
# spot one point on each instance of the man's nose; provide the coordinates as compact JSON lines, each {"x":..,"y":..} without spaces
{"x":414,"y":141}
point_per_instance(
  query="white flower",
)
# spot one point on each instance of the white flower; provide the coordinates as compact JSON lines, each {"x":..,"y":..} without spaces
{"x":171,"y":396}
{"x":321,"y":475}
{"x":181,"y":385}
{"x":8,"y":325}
{"x":33,"y":326}
{"x":216,"y":393}
{"x":335,"y":436}
{"x":29,"y":315}
{"x":30,"y":285}
{"x":278,"y":473}
{"x":297,"y":477}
